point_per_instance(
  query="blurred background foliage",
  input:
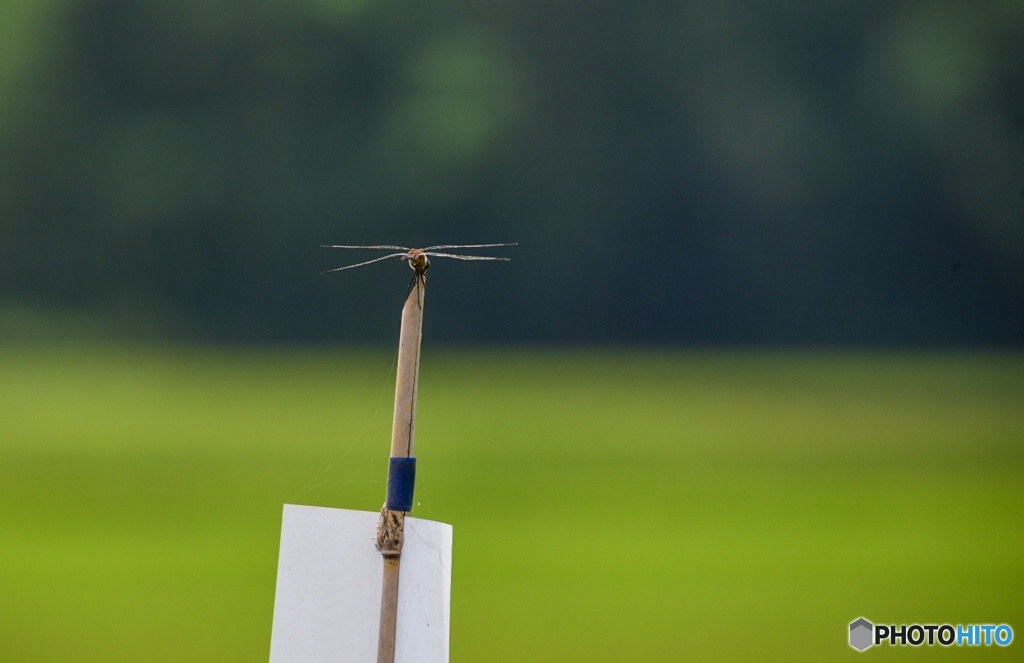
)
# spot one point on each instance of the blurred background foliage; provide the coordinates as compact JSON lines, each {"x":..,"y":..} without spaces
{"x":702,"y":172}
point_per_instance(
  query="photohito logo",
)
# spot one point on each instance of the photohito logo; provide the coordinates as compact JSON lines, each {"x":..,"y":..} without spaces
{"x":864,"y":634}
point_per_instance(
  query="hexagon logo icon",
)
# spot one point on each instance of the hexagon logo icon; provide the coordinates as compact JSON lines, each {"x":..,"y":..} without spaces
{"x":862,"y":634}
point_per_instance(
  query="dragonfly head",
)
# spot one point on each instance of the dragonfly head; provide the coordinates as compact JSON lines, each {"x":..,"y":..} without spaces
{"x":418,"y":260}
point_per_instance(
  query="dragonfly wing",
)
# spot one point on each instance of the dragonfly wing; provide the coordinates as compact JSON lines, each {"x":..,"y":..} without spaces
{"x":379,"y":246}
{"x":466,"y":246}
{"x":433,"y":254}
{"x":368,"y":262}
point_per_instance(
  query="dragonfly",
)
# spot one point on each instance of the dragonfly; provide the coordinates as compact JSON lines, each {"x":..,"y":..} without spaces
{"x":418,"y":259}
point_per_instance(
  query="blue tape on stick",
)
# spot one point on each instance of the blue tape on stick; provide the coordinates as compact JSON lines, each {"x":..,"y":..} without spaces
{"x":401,"y":481}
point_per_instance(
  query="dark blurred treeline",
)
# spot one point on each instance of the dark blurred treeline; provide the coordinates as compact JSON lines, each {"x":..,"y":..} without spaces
{"x":708,"y":172}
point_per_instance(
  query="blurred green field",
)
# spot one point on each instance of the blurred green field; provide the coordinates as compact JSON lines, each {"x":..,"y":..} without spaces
{"x":608,"y":506}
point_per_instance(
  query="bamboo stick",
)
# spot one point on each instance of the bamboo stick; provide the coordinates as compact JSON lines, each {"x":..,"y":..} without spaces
{"x":408,"y":370}
{"x":390,"y":530}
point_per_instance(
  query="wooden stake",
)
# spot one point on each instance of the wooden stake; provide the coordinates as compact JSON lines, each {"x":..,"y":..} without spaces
{"x":390,"y":530}
{"x":408,"y":370}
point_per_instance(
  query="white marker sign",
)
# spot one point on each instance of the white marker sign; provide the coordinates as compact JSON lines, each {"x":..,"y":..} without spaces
{"x":327,"y":607}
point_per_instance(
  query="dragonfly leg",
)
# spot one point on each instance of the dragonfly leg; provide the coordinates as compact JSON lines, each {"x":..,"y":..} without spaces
{"x":418,"y":279}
